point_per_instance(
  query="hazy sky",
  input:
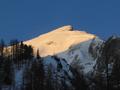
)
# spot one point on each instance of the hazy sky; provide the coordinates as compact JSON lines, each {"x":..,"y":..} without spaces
{"x":25,"y":19}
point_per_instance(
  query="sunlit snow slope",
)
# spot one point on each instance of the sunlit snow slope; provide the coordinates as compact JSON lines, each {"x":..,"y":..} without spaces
{"x":59,"y":40}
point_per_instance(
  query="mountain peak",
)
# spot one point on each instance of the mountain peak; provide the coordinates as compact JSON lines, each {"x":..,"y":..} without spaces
{"x":65,"y":28}
{"x":59,"y":40}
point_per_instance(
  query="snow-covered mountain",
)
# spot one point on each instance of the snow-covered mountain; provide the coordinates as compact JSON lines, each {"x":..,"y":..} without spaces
{"x":97,"y":60}
{"x":70,"y":60}
{"x":72,"y":45}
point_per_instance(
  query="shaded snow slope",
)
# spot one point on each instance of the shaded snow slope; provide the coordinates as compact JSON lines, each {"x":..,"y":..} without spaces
{"x":79,"y":56}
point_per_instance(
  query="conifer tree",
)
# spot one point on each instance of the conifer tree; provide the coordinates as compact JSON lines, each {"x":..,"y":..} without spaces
{"x":38,"y":54}
{"x":2,"y":45}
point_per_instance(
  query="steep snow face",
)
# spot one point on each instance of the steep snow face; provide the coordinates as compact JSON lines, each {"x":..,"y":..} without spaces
{"x":59,"y":40}
{"x":79,"y":55}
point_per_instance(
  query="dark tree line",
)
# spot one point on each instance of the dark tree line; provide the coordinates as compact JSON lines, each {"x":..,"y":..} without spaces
{"x":6,"y":67}
{"x":20,"y":52}
{"x":34,"y":76}
{"x":107,"y":73}
{"x":16,"y":55}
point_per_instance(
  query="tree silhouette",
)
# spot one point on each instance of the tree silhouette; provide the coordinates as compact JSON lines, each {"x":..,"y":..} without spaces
{"x":8,"y":72}
{"x":38,"y":54}
{"x":2,"y":45}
